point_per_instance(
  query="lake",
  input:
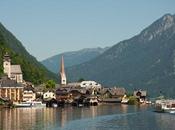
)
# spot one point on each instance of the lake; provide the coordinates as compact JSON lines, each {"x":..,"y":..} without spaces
{"x":102,"y":117}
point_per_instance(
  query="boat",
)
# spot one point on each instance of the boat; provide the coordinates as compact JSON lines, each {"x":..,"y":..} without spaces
{"x":54,"y":105}
{"x":23,"y":104}
{"x":165,"y":106}
{"x":38,"y":104}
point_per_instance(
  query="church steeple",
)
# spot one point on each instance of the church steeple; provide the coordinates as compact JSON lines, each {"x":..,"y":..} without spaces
{"x":7,"y":64}
{"x":62,"y":72}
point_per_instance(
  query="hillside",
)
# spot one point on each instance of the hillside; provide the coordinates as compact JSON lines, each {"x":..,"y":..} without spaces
{"x":72,"y":58}
{"x":146,"y":61}
{"x":33,"y":70}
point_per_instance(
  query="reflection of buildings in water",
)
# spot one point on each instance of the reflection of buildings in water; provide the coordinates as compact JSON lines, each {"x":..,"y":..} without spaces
{"x":89,"y":112}
{"x":26,"y":118}
{"x":94,"y":111}
{"x":63,"y":117}
{"x":17,"y":119}
{"x":124,"y":108}
{"x":49,"y":116}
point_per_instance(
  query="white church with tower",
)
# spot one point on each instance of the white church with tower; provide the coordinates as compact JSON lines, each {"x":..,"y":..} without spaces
{"x":83,"y":84}
{"x":13,"y":71}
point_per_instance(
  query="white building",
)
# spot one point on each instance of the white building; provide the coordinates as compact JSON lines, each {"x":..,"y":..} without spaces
{"x":29,"y":95}
{"x":48,"y":95}
{"x":13,"y":71}
{"x":90,"y":84}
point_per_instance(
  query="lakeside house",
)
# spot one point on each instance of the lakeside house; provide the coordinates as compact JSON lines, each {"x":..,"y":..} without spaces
{"x":49,"y":95}
{"x":140,"y":95}
{"x":29,"y":93}
{"x":112,"y":95}
{"x":62,"y":94}
{"x":11,"y":89}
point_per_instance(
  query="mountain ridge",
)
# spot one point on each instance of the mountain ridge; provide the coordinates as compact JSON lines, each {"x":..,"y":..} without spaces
{"x":72,"y":58}
{"x":144,"y":61}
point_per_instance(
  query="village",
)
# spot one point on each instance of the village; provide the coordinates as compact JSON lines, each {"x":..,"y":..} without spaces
{"x":16,"y":92}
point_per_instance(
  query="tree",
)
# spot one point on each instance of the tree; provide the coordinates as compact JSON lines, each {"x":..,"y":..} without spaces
{"x":81,"y":79}
{"x":50,"y":85}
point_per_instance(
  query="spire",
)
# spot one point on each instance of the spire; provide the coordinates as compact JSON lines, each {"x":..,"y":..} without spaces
{"x":62,"y":72}
{"x":62,"y":65}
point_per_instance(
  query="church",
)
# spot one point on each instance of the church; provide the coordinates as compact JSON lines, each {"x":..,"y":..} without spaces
{"x":11,"y":85}
{"x":12,"y":71}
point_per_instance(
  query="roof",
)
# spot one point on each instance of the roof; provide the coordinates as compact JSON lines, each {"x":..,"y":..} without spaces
{"x":80,"y":90}
{"x":119,"y":91}
{"x":6,"y":82}
{"x":29,"y":88}
{"x":66,"y":90}
{"x":16,"y":69}
{"x":62,"y":90}
{"x":114,"y":91}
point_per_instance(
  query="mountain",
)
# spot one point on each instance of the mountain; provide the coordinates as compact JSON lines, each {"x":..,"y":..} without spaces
{"x":33,"y":71}
{"x":145,"y":61}
{"x":72,"y":58}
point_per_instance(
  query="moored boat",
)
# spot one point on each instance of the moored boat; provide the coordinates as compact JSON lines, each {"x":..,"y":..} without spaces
{"x":38,"y":104}
{"x":165,"y":106}
{"x":23,"y":104}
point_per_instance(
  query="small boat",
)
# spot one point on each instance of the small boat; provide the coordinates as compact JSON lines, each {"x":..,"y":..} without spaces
{"x":23,"y":104}
{"x":172,"y":112}
{"x":125,"y":101}
{"x":38,"y":104}
{"x":54,"y":105}
{"x":148,"y":102}
{"x":165,"y":106}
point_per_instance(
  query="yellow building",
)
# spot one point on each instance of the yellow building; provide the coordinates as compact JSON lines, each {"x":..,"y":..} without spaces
{"x":10,"y":89}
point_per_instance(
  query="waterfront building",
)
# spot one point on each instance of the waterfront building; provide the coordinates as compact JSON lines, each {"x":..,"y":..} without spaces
{"x":29,"y":93}
{"x":13,"y":71}
{"x":62,"y":94}
{"x":11,"y":90}
{"x":77,"y":92}
{"x":62,"y":73}
{"x":140,"y":95}
{"x":49,"y":95}
{"x":111,"y":95}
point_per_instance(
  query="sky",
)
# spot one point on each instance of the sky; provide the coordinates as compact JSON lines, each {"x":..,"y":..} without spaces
{"x":50,"y":27}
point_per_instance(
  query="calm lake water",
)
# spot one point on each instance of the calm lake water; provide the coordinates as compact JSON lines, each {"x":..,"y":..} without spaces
{"x":103,"y":117}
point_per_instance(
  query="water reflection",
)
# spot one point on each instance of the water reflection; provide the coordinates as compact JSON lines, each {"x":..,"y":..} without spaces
{"x":102,"y":117}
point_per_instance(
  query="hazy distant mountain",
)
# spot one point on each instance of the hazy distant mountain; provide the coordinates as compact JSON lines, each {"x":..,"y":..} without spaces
{"x":33,"y":70}
{"x":72,"y":58}
{"x":146,"y":61}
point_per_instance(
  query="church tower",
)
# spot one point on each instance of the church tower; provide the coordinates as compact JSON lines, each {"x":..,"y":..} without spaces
{"x":62,"y":73}
{"x":7,"y":65}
